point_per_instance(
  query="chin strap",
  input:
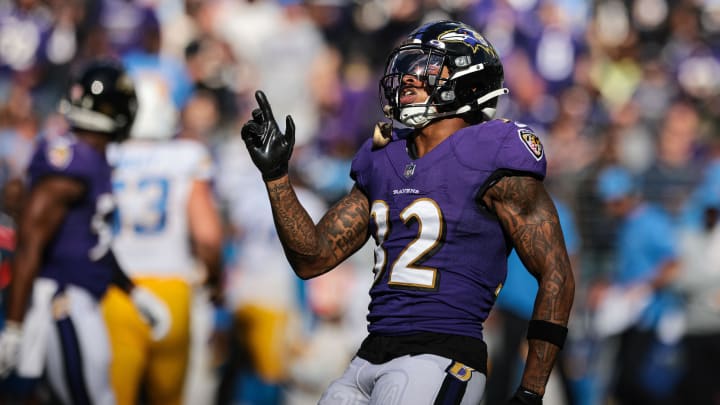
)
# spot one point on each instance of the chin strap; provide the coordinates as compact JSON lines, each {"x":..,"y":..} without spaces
{"x":419,"y":116}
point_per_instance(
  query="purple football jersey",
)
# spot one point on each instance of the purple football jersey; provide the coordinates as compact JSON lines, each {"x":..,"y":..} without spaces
{"x":440,"y":258}
{"x":78,"y":252}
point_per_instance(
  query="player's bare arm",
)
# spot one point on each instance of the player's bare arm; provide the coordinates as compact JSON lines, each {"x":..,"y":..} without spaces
{"x":311,"y":249}
{"x":44,"y":211}
{"x":529,"y":217}
{"x":315,"y":249}
{"x":206,"y":233}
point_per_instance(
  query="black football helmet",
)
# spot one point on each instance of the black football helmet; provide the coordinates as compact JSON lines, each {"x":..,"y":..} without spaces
{"x":101,"y":99}
{"x":475,"y":75}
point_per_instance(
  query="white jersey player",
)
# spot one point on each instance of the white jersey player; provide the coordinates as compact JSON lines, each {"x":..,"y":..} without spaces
{"x":168,"y":229}
{"x":153,"y":182}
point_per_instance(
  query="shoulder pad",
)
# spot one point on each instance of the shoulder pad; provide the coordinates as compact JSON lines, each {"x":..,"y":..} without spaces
{"x":64,"y":155}
{"x":59,"y":151}
{"x":501,"y":144}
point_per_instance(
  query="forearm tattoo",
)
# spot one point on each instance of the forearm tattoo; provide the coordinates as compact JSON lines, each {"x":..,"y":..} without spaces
{"x":294,"y":226}
{"x":346,"y":224}
{"x":341,"y":232}
{"x":528,"y":215}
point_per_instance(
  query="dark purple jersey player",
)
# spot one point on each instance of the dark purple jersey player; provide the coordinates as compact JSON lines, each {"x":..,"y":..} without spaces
{"x":446,"y":198}
{"x":78,"y":254}
{"x":427,"y":218}
{"x":63,"y":264}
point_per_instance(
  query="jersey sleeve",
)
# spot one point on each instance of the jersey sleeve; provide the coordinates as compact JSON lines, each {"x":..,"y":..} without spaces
{"x":202,"y":167}
{"x":63,"y":157}
{"x":521,"y":150}
{"x":361,"y":164}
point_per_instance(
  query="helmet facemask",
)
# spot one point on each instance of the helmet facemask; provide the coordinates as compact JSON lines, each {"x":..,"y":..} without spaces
{"x":409,"y":68}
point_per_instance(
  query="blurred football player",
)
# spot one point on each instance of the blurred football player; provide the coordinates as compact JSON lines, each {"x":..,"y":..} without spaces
{"x":63,"y":262}
{"x":445,"y":199}
{"x":168,"y":229}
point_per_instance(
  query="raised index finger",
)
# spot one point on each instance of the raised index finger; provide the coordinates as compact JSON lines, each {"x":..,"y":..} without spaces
{"x":264,"y":105}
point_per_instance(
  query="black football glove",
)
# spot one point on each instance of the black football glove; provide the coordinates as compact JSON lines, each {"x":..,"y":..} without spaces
{"x":525,"y":397}
{"x":269,"y":148}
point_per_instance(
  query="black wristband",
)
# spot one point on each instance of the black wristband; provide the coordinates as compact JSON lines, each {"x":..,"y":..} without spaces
{"x":547,"y":331}
{"x":527,"y":397}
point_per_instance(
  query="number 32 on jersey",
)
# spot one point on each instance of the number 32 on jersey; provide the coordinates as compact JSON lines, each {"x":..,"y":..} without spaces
{"x":406,"y":270}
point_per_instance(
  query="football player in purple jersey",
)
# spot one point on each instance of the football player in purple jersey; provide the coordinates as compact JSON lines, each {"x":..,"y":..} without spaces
{"x":63,"y":264}
{"x":445,"y":198}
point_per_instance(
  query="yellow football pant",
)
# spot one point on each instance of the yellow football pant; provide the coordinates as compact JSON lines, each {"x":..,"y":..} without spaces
{"x":136,"y":358}
{"x":264,"y":332}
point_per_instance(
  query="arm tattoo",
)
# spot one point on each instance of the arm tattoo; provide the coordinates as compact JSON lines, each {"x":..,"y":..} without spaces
{"x":528,"y":215}
{"x":314,"y":249}
{"x":346,"y":224}
{"x":292,"y":221}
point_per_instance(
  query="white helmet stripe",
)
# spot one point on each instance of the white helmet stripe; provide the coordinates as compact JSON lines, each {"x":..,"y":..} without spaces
{"x":87,"y":119}
{"x":469,"y":70}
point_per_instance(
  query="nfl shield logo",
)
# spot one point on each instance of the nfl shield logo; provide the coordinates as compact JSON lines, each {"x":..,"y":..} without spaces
{"x":409,"y":170}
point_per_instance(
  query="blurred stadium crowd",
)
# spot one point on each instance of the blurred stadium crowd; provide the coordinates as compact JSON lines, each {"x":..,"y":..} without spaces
{"x":624,"y":94}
